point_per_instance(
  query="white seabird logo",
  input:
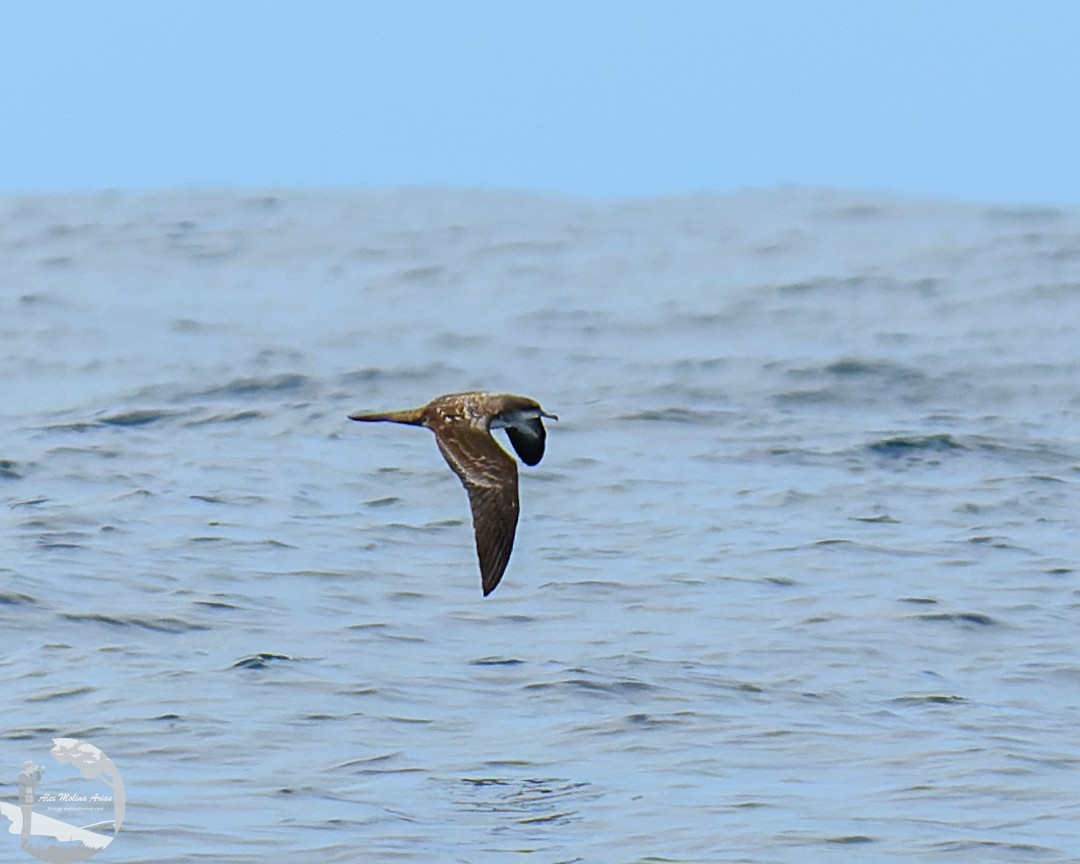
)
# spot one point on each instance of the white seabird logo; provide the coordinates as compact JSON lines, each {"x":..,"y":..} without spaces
{"x":74,"y":816}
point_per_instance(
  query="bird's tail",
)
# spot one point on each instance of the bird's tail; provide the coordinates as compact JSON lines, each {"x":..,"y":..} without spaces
{"x":411,"y":417}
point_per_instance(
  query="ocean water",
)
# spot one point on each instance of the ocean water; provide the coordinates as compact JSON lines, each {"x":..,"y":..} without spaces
{"x":796,"y":580}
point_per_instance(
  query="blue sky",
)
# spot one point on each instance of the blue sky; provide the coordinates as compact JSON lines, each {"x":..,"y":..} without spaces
{"x":967,"y":99}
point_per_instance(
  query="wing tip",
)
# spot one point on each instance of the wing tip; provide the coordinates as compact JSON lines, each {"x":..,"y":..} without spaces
{"x":490,"y":581}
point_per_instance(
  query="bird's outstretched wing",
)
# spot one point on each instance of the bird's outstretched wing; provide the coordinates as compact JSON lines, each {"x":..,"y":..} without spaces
{"x":489,"y":475}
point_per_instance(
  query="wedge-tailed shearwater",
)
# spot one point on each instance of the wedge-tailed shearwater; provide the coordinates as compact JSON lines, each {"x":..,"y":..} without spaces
{"x":462,"y":423}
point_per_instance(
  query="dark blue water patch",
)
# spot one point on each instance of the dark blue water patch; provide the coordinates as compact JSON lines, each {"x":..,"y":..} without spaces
{"x":749,"y":805}
{"x":358,"y":691}
{"x":217,"y":604}
{"x":8,"y":470}
{"x":326,"y":575}
{"x":562,"y":817}
{"x":134,"y":493}
{"x":40,"y":298}
{"x":1015,"y":851}
{"x":234,"y":501}
{"x":795,"y":398}
{"x":793,"y":456}
{"x":485,"y":781}
{"x":382,"y":502}
{"x":919,"y":601}
{"x":28,"y":502}
{"x":905,"y":446}
{"x":531,"y":801}
{"x":443,"y":523}
{"x":677,"y":414}
{"x":929,"y":699}
{"x":138,"y":417}
{"x":852,"y":379}
{"x":496,"y":661}
{"x":839,"y":545}
{"x":525,"y":248}
{"x":262,"y":660}
{"x":427,"y":528}
{"x":71,"y":426}
{"x":322,"y":717}
{"x":803,"y":286}
{"x":647,"y":720}
{"x":407,"y":596}
{"x":847,"y":367}
{"x":923,"y":286}
{"x":707,"y":364}
{"x":421,"y":273}
{"x":931,"y":448}
{"x":417,"y":721}
{"x":216,"y":538}
{"x":228,"y":417}
{"x":160,"y":625}
{"x":380,"y":764}
{"x":971,"y":619}
{"x":32,"y":733}
{"x":592,"y":686}
{"x":375,"y":374}
{"x":992,"y":542}
{"x":62,"y":540}
{"x":188,"y":325}
{"x":373,"y":626}
{"x":55,"y":695}
{"x":287,"y":382}
{"x":8,"y":598}
{"x":1024,"y":215}
{"x":193,"y":241}
{"x":56,"y":262}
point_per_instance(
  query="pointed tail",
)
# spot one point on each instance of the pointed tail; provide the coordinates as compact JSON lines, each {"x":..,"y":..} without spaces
{"x":412,"y":417}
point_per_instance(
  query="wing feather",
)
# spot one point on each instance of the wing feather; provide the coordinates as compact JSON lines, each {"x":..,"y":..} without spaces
{"x":489,"y":475}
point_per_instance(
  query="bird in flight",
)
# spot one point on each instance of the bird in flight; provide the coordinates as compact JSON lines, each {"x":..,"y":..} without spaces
{"x":462,"y":423}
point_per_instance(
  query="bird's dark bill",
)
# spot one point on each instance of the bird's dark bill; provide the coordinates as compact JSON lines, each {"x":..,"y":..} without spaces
{"x":528,"y":440}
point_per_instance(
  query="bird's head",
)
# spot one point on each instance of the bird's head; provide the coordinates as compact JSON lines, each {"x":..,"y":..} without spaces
{"x":519,"y":411}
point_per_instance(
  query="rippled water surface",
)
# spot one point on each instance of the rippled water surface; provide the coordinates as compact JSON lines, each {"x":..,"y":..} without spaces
{"x":795,"y":581}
